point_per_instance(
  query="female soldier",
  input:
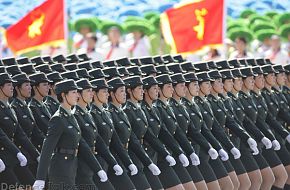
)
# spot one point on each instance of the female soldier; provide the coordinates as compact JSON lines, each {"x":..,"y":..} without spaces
{"x":93,"y":139}
{"x":183,"y":120}
{"x":107,"y":131}
{"x":13,"y":138}
{"x":168,"y":176}
{"x":148,"y":139}
{"x":218,"y":132}
{"x":62,"y":144}
{"x":128,"y":138}
{"x":169,"y":121}
{"x":269,"y":154}
{"x":40,"y":89}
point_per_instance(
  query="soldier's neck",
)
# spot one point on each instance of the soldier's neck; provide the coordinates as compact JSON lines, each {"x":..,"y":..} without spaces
{"x":189,"y":97}
{"x":287,"y":83}
{"x":21,"y":98}
{"x":245,"y":89}
{"x":256,"y":90}
{"x":176,"y":97}
{"x":98,"y":104}
{"x":66,"y":106}
{"x":214,"y":93}
{"x":38,"y":97}
{"x":82,"y":104}
{"x":148,"y":100}
{"x":267,"y":86}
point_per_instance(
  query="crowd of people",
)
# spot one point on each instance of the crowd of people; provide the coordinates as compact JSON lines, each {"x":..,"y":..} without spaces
{"x":162,"y":122}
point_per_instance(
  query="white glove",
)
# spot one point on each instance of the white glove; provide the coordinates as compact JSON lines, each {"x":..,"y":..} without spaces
{"x":288,"y":138}
{"x":154,"y":169}
{"x":2,"y":166}
{"x":38,"y":185}
{"x":194,"y":159}
{"x":170,"y":160}
{"x":252,"y":143}
{"x":266,"y":142}
{"x":213,"y":153}
{"x":118,"y":170}
{"x":133,"y":169}
{"x":236,"y":153}
{"x":38,"y":159}
{"x":102,"y":175}
{"x":255,"y":151}
{"x":223,"y":154}
{"x":22,"y":159}
{"x":183,"y":159}
{"x":276,"y":145}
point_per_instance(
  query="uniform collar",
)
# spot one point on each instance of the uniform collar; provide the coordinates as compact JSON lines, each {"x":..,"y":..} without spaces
{"x":5,"y":103}
{"x":68,"y":112}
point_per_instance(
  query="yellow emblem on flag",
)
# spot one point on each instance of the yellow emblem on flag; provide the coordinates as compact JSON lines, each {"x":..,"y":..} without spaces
{"x":200,"y":18}
{"x":34,"y":29}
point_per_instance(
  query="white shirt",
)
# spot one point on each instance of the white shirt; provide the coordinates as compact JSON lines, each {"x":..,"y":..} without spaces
{"x":96,"y":55}
{"x":116,"y":52}
{"x":142,"y":48}
{"x":279,"y":58}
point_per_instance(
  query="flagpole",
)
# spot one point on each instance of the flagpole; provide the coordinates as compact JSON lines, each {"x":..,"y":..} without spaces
{"x":65,"y":26}
{"x":224,"y":28}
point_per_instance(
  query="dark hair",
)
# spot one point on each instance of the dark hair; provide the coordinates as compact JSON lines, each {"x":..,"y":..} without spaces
{"x":15,"y":94}
{"x":113,"y":91}
{"x":60,"y":98}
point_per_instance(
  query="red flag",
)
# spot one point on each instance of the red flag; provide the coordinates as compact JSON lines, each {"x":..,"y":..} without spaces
{"x":43,"y":26}
{"x":191,"y":27}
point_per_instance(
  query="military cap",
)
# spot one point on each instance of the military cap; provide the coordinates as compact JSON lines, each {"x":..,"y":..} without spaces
{"x":213,"y":65}
{"x":59,"y":58}
{"x":178,"y":58}
{"x":23,"y":60}
{"x":136,"y":70}
{"x":111,"y":72}
{"x":223,"y":64}
{"x":13,"y":69}
{"x":201,"y":66}
{"x":237,"y":73}
{"x":98,"y":73}
{"x":70,"y":75}
{"x":54,"y":77}
{"x":72,"y":58}
{"x":175,"y":68}
{"x":125,"y":62}
{"x":20,"y":79}
{"x":133,"y":81}
{"x":203,"y":77}
{"x":71,"y":66}
{"x":248,"y":72}
{"x":269,"y":62}
{"x":279,"y":68}
{"x":158,"y":60}
{"x":45,"y":68}
{"x":135,"y":61}
{"x":66,"y":86}
{"x":149,"y":81}
{"x":190,"y":77}
{"x":99,"y":84}
{"x":268,"y":69}
{"x":146,"y":60}
{"x":149,"y":69}
{"x":48,"y":59}
{"x":110,"y":63}
{"x":188,"y":66}
{"x":58,"y":67}
{"x":124,"y":71}
{"x":38,"y":77}
{"x":28,"y":69}
{"x":1,"y":63}
{"x":115,"y":83}
{"x":9,"y":61}
{"x":84,"y":84}
{"x":83,"y":73}
{"x":235,"y":63}
{"x":85,"y":65}
{"x":37,"y":60}
{"x":260,"y":61}
{"x":243,"y":62}
{"x":163,"y":79}
{"x":257,"y":70}
{"x":97,"y":64}
{"x":251,"y":62}
{"x":163,"y":69}
{"x":168,"y":59}
{"x":83,"y":57}
{"x":177,"y":78}
{"x":215,"y":74}
{"x":3,"y":69}
{"x":287,"y":68}
{"x":5,"y":78}
{"x":226,"y":74}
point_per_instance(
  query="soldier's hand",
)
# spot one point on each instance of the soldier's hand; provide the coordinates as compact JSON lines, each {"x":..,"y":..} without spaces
{"x":170,"y":160}
{"x":252,"y":143}
{"x":183,"y":159}
{"x":2,"y":166}
{"x":38,"y":185}
{"x":276,"y":145}
{"x":133,"y":169}
{"x":22,"y":159}
{"x":288,"y":138}
{"x":213,"y":153}
{"x":118,"y":170}
{"x":102,"y":175}
{"x":223,"y":154}
{"x":154,"y":169}
{"x":255,"y":151}
{"x":266,"y":142}
{"x":194,"y":159}
{"x":236,"y":153}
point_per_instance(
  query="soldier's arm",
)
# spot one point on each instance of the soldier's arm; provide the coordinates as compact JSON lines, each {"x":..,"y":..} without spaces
{"x":210,"y":137}
{"x":221,"y":135}
{"x":276,"y":125}
{"x":181,"y":137}
{"x":264,"y":127}
{"x":7,"y":143}
{"x":195,"y":135}
{"x":232,"y":125}
{"x":253,"y":129}
{"x":104,"y":151}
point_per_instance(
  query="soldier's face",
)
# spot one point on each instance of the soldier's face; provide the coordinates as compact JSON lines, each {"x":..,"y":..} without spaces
{"x":120,"y":94}
{"x":153,"y":92}
{"x":43,"y":88}
{"x":7,"y":89}
{"x":260,"y":81}
{"x":137,"y":93}
{"x":281,"y":79}
{"x":270,"y":79}
{"x":72,"y":97}
{"x":103,"y":95}
{"x":180,"y":89}
{"x":87,"y":95}
{"x":25,"y":90}
{"x":193,"y":88}
{"x":249,"y":83}
{"x":205,"y":88}
{"x":228,"y":85}
{"x":218,"y":86}
{"x":167,"y":90}
{"x":288,"y":77}
{"x":238,"y":83}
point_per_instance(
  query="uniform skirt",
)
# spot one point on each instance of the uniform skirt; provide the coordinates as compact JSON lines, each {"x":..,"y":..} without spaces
{"x":14,"y":177}
{"x":168,"y":176}
{"x":284,"y":155}
{"x":247,"y":159}
{"x":154,"y":181}
{"x":140,"y":181}
{"x":121,"y":182}
{"x":181,"y":172}
{"x":218,"y":168}
{"x":237,"y":165}
{"x":195,"y":174}
{"x":271,"y":157}
{"x":205,"y":169}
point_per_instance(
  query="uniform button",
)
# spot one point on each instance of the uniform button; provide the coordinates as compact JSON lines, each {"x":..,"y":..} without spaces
{"x":32,"y":123}
{"x":110,"y":141}
{"x":2,"y":148}
{"x":39,"y":145}
{"x":175,"y":123}
{"x":158,"y":125}
{"x":14,"y":124}
{"x":65,"y":157}
{"x":145,"y":126}
{"x":111,"y":130}
{"x":95,"y":130}
{"x":200,"y":121}
{"x":19,"y":146}
{"x":79,"y":133}
{"x":146,"y":149}
{"x":186,"y":131}
{"x":94,"y":142}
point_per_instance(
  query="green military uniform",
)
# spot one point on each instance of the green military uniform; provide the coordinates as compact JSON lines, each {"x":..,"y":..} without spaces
{"x":51,"y":104}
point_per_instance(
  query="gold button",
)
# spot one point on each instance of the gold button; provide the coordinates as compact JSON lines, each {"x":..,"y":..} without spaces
{"x":175,"y":123}
{"x":158,"y":126}
{"x":78,"y":133}
{"x":2,"y":148}
{"x":95,"y":130}
{"x":39,"y":145}
{"x":94,"y":141}
{"x":109,"y":140}
{"x":14,"y":124}
{"x":111,"y":130}
{"x":32,"y":123}
{"x":19,"y":146}
{"x":65,"y":157}
{"x":145,"y":126}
